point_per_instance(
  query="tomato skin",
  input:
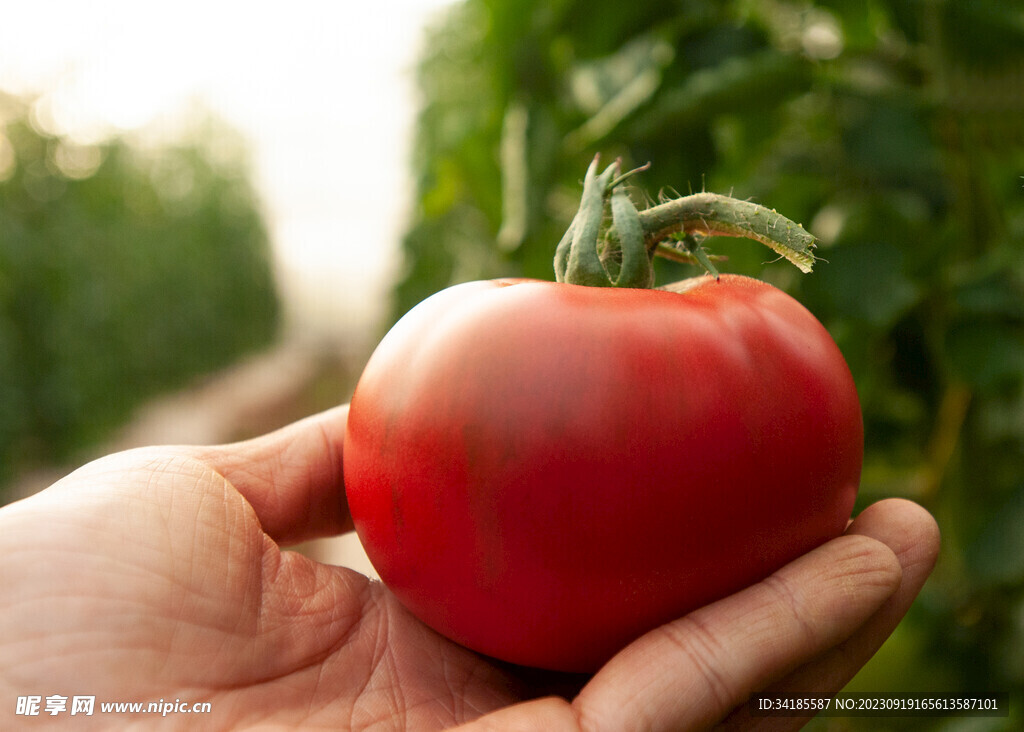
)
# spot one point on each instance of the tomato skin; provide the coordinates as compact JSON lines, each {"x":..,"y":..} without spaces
{"x":543,"y":472}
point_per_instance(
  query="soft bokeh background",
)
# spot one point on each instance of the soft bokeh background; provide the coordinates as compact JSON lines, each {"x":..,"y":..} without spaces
{"x":200,"y":210}
{"x":207,"y":219}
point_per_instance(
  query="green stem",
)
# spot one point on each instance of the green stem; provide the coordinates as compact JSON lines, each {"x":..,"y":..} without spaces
{"x":710,"y":214}
{"x":583,"y":257}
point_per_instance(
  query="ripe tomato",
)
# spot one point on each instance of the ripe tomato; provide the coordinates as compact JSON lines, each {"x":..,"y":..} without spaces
{"x":544,"y":471}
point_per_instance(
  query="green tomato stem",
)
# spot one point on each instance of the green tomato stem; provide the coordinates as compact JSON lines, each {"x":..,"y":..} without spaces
{"x":710,"y":214}
{"x":584,"y":257}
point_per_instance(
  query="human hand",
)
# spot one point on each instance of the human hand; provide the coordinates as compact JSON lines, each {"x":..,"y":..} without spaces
{"x":158,"y":574}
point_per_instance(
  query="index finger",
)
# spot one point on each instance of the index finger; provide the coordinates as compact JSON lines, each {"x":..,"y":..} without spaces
{"x":690,"y":673}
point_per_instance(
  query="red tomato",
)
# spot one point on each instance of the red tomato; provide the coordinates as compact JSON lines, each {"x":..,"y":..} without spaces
{"x":543,"y":472}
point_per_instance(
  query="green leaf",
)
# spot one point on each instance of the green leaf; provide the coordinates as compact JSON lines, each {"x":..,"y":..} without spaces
{"x":759,"y":80}
{"x":996,"y":555}
{"x":864,"y":282}
{"x":992,"y":296}
{"x":986,"y":354}
{"x":890,"y":139}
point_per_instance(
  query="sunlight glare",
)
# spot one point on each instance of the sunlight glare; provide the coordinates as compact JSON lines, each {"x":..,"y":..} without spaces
{"x":322,"y":92}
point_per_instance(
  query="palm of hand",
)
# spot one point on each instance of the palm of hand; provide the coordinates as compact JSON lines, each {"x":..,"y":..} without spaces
{"x":157,"y":575}
{"x":170,"y":589}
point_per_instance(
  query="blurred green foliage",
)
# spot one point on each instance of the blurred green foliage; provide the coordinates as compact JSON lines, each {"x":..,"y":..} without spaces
{"x":893,"y":129}
{"x":123,"y":272}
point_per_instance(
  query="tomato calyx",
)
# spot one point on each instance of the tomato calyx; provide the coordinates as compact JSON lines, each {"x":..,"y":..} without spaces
{"x":622,"y":254}
{"x":583,"y":257}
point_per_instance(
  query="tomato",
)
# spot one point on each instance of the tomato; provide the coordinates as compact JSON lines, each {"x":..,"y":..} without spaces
{"x":545,"y":471}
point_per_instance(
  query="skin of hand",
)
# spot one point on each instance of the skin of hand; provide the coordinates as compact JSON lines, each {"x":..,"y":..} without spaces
{"x":158,"y":574}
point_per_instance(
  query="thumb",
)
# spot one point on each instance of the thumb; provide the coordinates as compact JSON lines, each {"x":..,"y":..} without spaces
{"x":292,"y":477}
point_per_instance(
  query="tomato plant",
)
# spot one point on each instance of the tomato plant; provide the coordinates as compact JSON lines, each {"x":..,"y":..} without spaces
{"x":543,"y":471}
